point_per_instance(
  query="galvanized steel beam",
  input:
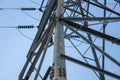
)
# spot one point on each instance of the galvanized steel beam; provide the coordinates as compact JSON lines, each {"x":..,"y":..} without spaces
{"x":93,"y":18}
{"x":93,"y":45}
{"x":91,"y":31}
{"x":47,"y":73}
{"x":90,"y":66}
{"x":43,"y":22}
{"x":59,"y":67}
{"x":38,"y":37}
{"x":102,"y":6}
{"x":43,"y":45}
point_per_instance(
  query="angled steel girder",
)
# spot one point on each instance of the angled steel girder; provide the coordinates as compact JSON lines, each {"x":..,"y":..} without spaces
{"x":93,"y":19}
{"x":102,"y":6}
{"x":93,"y":45}
{"x":99,"y":5}
{"x":91,"y":31}
{"x":47,"y":73}
{"x":90,"y":66}
{"x":44,"y":44}
{"x":77,"y":11}
{"x":101,"y":76}
{"x":41,"y":27}
{"x":38,"y":38}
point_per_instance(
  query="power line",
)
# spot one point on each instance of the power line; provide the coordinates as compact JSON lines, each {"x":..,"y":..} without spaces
{"x":7,"y":26}
{"x":20,"y":26}
{"x":24,"y":35}
{"x":34,"y":2}
{"x":23,"y":9}
{"x":38,"y":4}
{"x":30,"y":15}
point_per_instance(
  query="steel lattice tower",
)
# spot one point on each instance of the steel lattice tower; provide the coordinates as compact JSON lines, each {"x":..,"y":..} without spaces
{"x":77,"y":32}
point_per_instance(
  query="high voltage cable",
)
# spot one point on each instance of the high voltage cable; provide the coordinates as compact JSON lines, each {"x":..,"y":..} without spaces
{"x":23,"y":9}
{"x":26,"y":8}
{"x":30,"y":16}
{"x":38,"y":3}
{"x":24,"y":35}
{"x":34,"y":2}
{"x":20,"y":26}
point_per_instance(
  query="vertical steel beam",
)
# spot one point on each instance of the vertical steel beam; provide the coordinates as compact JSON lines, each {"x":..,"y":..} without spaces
{"x":59,"y":72}
{"x":90,"y":38}
{"x":103,"y":57}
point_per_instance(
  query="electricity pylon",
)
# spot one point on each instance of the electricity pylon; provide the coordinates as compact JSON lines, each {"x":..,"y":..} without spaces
{"x":73,"y":22}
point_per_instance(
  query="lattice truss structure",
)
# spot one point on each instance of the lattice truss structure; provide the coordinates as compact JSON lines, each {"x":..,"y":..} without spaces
{"x":89,"y":48}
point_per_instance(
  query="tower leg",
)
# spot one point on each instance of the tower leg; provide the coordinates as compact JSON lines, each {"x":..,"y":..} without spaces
{"x":59,"y":71}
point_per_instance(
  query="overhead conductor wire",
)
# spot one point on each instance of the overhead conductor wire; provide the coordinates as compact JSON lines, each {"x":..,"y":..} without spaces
{"x":21,"y":27}
{"x":25,"y":27}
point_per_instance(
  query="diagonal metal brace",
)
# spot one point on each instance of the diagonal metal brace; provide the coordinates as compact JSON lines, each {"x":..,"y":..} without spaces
{"x":47,"y":73}
{"x":90,"y":66}
{"x":91,"y":31}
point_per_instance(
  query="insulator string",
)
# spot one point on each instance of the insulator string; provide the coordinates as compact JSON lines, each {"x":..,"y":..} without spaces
{"x":23,"y":9}
{"x":20,"y":27}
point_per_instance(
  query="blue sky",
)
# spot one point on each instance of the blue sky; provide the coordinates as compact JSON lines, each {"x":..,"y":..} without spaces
{"x":14,"y":46}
